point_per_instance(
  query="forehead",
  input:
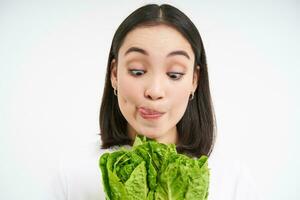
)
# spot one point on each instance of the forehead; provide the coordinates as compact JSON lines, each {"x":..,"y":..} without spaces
{"x":159,"y":37}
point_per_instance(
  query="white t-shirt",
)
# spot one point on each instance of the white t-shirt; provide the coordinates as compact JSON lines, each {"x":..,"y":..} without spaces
{"x":78,"y":177}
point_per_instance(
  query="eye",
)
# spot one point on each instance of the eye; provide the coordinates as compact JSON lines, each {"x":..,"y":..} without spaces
{"x":175,"y":75}
{"x":136,"y":72}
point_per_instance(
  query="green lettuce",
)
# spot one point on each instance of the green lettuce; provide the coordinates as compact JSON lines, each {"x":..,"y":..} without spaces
{"x":153,"y":171}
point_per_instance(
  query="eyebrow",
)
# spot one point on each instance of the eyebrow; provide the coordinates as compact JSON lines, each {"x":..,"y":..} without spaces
{"x":142,"y":51}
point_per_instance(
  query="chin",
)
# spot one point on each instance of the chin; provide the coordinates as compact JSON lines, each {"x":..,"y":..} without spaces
{"x":152,"y":135}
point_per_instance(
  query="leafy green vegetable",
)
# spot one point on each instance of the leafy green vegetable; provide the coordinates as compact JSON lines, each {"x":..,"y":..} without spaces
{"x":153,"y":171}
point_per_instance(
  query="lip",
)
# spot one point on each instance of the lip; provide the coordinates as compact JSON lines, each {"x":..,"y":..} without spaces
{"x":147,"y":113}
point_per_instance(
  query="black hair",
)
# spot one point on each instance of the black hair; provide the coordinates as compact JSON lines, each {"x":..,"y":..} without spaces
{"x":196,"y":129}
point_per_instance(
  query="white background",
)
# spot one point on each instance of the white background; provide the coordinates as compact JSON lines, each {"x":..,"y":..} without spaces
{"x":53,"y":57}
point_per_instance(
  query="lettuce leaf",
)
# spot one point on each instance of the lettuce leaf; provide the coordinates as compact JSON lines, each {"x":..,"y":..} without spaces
{"x":153,"y":171}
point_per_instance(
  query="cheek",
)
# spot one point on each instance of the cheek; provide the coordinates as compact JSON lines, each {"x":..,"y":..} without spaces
{"x":128,"y":93}
{"x":180,"y":101}
{"x":180,"y":98}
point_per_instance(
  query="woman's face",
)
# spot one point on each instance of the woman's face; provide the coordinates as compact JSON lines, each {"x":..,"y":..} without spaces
{"x":154,"y":72}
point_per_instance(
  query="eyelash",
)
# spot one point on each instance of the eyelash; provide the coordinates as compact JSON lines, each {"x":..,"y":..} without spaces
{"x":172,"y":73}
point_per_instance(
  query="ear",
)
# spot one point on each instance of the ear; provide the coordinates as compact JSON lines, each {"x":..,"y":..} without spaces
{"x":196,"y":77}
{"x":114,"y":73}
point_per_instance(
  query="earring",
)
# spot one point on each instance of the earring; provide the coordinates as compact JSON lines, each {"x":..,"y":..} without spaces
{"x":191,"y":98}
{"x":115,"y":92}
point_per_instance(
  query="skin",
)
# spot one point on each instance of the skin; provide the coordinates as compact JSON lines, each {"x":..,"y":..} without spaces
{"x":152,"y":83}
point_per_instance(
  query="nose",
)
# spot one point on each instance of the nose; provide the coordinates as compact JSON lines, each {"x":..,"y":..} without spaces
{"x":154,"y":90}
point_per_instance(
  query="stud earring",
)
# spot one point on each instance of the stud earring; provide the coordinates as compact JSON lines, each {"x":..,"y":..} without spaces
{"x":191,"y":98}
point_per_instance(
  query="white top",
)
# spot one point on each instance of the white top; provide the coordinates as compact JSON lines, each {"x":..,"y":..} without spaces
{"x":79,"y":177}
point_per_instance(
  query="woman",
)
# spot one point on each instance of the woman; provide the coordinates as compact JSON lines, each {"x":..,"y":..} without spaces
{"x":155,"y":62}
{"x":156,"y":85}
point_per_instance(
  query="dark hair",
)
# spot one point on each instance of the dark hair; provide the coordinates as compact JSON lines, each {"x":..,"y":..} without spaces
{"x":196,"y":129}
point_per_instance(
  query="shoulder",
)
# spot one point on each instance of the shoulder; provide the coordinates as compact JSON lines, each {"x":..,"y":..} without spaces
{"x":85,"y":153}
{"x":79,"y":170}
{"x":230,"y":179}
